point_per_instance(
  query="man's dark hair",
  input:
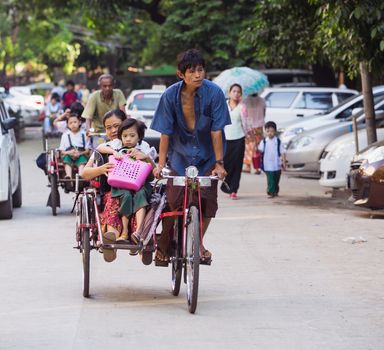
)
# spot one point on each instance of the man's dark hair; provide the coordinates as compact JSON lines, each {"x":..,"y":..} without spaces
{"x":270,"y":125}
{"x":70,"y":82}
{"x":189,"y":59}
{"x":114,"y":112}
{"x":132,"y":122}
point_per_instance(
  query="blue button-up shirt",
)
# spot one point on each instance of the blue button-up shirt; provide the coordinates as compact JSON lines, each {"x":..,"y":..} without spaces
{"x":192,"y":147}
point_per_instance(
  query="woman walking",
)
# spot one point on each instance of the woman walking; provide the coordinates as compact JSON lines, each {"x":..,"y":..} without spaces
{"x":234,"y":133}
{"x":254,"y":115}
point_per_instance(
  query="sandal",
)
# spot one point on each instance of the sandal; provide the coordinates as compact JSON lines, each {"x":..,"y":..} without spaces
{"x":161,"y":258}
{"x":123,"y":239}
{"x":134,"y":238}
{"x":108,"y":253}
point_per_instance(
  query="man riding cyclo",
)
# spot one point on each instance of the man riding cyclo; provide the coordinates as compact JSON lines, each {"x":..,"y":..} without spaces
{"x":102,"y":101}
{"x":191,"y":117}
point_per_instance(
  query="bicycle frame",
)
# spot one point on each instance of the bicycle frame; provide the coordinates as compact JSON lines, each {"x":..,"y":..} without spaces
{"x":83,"y":198}
{"x":191,"y":187}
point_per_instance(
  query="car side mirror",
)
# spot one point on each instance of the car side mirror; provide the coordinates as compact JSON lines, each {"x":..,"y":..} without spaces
{"x":9,"y":123}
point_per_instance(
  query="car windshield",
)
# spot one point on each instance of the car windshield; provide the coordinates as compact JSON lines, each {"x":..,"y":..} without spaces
{"x":379,"y":105}
{"x":339,"y":105}
{"x":145,"y":102}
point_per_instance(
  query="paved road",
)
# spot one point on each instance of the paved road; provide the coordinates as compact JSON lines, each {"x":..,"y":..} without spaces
{"x":282,"y":278}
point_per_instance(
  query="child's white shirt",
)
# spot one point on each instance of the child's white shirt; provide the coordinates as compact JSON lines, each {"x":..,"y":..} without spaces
{"x":76,"y":140}
{"x":143,"y":147}
{"x":271,"y":159}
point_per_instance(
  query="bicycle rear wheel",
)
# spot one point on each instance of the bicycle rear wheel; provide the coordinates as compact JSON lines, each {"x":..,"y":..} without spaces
{"x":177,"y":264}
{"x":192,"y":257}
{"x":54,"y":193}
{"x":85,"y":245}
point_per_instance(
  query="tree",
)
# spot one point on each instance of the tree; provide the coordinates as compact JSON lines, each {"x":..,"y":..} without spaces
{"x":351,"y":35}
{"x":212,"y":26}
{"x":33,"y":32}
{"x":281,"y":32}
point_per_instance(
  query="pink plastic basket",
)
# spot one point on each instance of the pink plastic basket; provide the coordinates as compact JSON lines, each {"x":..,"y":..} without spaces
{"x":128,"y":173}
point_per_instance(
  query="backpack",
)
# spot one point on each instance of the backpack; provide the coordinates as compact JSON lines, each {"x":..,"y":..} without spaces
{"x":262,"y":153}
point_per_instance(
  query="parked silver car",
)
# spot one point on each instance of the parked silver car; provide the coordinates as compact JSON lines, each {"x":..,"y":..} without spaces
{"x":332,"y":116}
{"x":304,"y":151}
{"x":10,"y":176}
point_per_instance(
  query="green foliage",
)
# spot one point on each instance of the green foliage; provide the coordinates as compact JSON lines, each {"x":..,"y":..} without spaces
{"x":212,"y":26}
{"x":351,"y":32}
{"x":281,"y":32}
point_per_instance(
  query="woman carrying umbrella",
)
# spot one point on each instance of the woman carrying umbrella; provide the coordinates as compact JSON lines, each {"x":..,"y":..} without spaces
{"x":251,"y":81}
{"x":234,"y":134}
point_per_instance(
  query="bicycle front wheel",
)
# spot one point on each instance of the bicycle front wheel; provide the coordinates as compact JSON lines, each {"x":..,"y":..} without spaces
{"x":85,"y":244}
{"x":192,"y":257}
{"x":86,"y":261}
{"x":177,"y":264}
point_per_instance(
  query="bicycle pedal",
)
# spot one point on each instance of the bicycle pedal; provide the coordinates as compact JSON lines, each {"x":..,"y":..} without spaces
{"x":205,"y":261}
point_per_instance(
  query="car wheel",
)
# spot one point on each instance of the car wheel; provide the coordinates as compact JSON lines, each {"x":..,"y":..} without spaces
{"x":7,"y":206}
{"x":17,"y":196}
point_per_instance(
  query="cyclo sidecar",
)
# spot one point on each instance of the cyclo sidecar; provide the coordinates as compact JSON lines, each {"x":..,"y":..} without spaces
{"x":186,"y":236}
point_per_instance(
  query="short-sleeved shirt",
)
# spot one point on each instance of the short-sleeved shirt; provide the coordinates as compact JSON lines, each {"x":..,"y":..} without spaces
{"x":192,"y":147}
{"x":97,"y":106}
{"x":271,"y":159}
{"x":77,"y":140}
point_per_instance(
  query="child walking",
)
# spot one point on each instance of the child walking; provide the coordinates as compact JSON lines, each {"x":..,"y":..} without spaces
{"x":273,"y":158}
{"x":74,"y":148}
{"x":130,"y":139}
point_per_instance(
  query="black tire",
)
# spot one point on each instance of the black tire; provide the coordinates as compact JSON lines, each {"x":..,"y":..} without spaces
{"x":86,"y":248}
{"x":17,"y":196}
{"x":6,"y":207}
{"x":192,"y":255}
{"x":54,"y":193}
{"x":177,"y":264}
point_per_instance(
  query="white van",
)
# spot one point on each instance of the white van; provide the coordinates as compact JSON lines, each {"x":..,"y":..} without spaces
{"x":286,"y":105}
{"x":10,"y":176}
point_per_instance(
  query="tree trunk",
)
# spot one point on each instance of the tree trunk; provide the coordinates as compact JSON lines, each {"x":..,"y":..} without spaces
{"x":369,"y":110}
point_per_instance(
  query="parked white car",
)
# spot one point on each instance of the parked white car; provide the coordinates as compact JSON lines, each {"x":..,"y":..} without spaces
{"x":29,"y":106}
{"x":332,"y":116}
{"x":336,"y":159}
{"x":141,"y":105}
{"x":286,"y":105}
{"x":10,"y":176}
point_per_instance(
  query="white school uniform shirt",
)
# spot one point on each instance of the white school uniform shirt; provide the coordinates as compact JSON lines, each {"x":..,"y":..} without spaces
{"x":144,"y":147}
{"x":76,"y":139}
{"x":271,"y":159}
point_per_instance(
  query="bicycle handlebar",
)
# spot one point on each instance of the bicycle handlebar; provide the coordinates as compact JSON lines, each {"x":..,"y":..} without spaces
{"x":101,"y":134}
{"x":211,"y":177}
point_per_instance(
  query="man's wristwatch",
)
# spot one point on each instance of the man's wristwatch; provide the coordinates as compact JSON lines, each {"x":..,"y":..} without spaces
{"x":220,"y":161}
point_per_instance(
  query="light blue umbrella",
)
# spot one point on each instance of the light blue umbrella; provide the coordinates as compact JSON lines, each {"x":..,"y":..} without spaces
{"x":251,"y":80}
